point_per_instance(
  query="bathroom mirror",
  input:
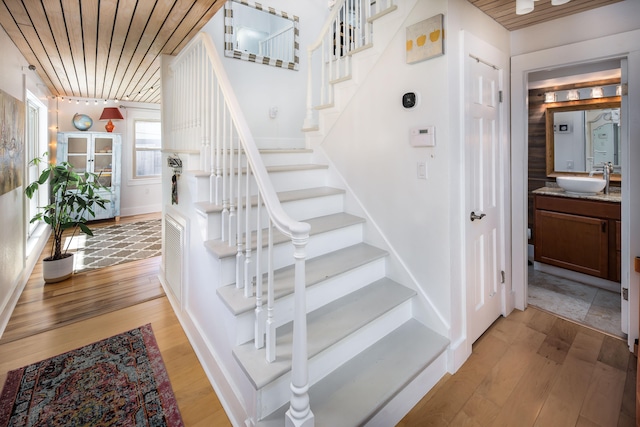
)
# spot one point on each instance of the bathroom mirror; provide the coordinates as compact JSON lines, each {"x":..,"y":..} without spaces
{"x":583,"y":134}
{"x":256,"y":33}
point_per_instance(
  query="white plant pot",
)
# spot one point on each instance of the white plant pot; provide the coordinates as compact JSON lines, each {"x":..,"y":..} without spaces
{"x":57,"y":270}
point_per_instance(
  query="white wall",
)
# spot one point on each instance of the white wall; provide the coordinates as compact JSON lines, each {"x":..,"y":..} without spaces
{"x":260,"y":87}
{"x":136,"y":196}
{"x":369,"y":144}
{"x":15,"y":79}
{"x":570,"y":41}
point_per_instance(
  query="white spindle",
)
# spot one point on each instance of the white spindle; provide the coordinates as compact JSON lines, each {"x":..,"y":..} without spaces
{"x":271,"y":326}
{"x":248,"y":286}
{"x":232,"y":200}
{"x":239,"y":218}
{"x":226,"y":131}
{"x":259,"y":321}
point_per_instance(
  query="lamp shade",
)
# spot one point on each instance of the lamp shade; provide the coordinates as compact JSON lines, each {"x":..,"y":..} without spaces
{"x":110,"y":113}
{"x":559,"y":2}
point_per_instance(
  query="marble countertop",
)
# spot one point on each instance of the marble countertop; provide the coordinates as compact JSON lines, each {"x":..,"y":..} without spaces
{"x":552,"y":189}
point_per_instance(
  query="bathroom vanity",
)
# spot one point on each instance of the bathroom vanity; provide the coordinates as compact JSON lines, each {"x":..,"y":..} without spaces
{"x":578,"y":232}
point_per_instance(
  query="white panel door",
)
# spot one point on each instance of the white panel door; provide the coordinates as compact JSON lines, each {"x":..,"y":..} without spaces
{"x":483,"y":198}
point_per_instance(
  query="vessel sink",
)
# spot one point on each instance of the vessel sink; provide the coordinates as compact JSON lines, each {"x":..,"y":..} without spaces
{"x":581,"y":184}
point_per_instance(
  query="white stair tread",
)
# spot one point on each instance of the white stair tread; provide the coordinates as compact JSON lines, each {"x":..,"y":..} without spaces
{"x":318,"y":225}
{"x":317,"y":270}
{"x":283,"y":196}
{"x":354,"y":393}
{"x":325,"y":327}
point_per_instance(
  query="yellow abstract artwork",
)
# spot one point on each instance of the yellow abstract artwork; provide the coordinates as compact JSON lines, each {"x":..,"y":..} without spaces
{"x":425,"y":39}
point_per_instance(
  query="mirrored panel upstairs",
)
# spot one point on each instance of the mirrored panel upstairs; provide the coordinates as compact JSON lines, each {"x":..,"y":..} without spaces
{"x":261,"y":34}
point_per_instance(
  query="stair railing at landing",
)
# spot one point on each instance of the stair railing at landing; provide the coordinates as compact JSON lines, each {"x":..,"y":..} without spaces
{"x":204,"y":108}
{"x":348,"y":30}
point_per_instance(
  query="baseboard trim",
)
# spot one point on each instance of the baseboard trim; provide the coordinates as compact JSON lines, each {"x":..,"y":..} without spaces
{"x":209,"y":360}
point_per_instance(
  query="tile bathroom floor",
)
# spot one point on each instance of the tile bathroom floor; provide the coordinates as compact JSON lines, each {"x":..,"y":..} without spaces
{"x":590,"y":306}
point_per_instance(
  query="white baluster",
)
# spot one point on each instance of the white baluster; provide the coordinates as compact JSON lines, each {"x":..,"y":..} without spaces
{"x":240,"y":240}
{"x":259,"y":323}
{"x":299,"y":413}
{"x":232,"y":200}
{"x":248,"y":286}
{"x":271,"y":326}
{"x":226,"y":142}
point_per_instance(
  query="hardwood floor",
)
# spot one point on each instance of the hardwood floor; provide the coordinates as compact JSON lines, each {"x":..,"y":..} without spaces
{"x":529,"y":369}
{"x":535,"y":369}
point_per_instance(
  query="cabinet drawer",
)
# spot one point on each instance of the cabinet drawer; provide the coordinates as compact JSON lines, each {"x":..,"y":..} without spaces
{"x":591,"y":208}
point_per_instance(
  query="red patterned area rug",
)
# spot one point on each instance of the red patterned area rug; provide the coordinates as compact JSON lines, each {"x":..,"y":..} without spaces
{"x":119,"y":381}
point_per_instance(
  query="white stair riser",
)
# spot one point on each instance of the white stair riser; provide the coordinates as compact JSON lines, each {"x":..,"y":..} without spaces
{"x":282,"y":253}
{"x":287,"y":158}
{"x":210,"y":222}
{"x":298,"y":180}
{"x":318,"y":206}
{"x":209,"y":225}
{"x":394,"y":410}
{"x":317,"y":296}
{"x":277,"y":393}
{"x":199,"y":187}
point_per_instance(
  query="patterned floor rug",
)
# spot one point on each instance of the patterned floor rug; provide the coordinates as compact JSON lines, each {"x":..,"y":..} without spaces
{"x":119,"y":381}
{"x":117,"y":244}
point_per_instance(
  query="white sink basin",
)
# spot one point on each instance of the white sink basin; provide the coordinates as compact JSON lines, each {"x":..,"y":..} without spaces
{"x":581,"y":184}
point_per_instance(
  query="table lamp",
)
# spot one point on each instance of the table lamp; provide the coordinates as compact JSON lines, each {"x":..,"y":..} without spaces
{"x":110,"y":113}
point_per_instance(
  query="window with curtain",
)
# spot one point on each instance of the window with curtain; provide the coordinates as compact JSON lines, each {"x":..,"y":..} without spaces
{"x":148,"y":156}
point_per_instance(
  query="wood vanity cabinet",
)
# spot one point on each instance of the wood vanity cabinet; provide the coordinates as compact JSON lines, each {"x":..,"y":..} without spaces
{"x":578,"y":234}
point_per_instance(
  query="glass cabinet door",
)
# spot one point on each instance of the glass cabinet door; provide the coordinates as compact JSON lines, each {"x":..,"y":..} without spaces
{"x":77,"y":154}
{"x":102,"y":160}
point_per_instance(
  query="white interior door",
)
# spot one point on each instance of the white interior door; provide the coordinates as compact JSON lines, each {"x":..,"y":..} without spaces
{"x":484,"y":236}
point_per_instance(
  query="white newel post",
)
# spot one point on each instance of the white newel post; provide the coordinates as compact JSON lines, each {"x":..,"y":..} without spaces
{"x":299,"y":413}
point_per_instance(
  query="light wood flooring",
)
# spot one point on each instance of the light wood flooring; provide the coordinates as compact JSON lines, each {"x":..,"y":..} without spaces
{"x":531,"y":368}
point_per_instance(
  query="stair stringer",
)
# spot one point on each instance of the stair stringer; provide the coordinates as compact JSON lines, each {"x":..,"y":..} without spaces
{"x":363,"y":61}
{"x":426,"y":311}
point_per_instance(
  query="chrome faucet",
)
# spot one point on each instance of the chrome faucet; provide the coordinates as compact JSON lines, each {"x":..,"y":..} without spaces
{"x":607,"y":170}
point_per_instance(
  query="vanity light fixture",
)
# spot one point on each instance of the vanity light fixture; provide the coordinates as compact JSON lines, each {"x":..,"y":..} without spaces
{"x":550,"y":97}
{"x":558,"y":2}
{"x":597,"y":92}
{"x":573,"y":95}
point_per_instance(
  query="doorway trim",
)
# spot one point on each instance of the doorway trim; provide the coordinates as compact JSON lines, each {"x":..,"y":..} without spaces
{"x":618,"y":46}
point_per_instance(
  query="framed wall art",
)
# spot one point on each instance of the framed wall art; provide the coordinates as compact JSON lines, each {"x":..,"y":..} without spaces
{"x":425,"y":39}
{"x":12,"y":122}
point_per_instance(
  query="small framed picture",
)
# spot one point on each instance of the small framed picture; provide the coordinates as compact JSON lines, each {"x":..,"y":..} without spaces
{"x":425,"y":39}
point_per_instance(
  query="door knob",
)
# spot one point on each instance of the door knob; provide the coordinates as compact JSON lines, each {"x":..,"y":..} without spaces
{"x":473,"y":216}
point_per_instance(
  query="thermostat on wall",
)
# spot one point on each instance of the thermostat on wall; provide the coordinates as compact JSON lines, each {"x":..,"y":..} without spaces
{"x":410,"y":99}
{"x":423,"y":136}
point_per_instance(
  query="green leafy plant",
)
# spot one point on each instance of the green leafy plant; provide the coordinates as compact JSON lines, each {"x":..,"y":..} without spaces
{"x":73,"y":198}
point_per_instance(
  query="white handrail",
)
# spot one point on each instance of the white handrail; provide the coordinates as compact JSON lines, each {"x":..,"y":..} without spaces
{"x":199,"y":74}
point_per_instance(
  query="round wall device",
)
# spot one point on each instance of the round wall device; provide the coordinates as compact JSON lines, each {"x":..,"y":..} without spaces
{"x":409,"y":99}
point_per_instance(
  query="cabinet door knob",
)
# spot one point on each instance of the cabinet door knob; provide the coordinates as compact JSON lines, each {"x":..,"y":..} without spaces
{"x":473,"y":216}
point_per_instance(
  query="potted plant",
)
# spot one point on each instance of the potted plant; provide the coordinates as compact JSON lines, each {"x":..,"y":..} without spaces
{"x":73,"y":198}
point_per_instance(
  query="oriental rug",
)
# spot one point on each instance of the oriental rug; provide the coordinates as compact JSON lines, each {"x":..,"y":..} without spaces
{"x":117,"y":244}
{"x":119,"y":381}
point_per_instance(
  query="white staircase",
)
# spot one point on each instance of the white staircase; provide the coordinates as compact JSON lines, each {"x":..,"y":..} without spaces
{"x":364,"y":345}
{"x":310,"y":328}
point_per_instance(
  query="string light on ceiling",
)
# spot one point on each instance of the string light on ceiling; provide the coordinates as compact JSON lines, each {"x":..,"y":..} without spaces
{"x":105,"y":101}
{"x":526,"y":6}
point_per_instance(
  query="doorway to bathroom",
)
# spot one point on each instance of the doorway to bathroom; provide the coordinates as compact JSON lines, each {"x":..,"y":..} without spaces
{"x":582,"y":298}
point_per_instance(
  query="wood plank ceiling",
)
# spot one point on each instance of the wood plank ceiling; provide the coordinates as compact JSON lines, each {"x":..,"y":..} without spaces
{"x":110,"y":49}
{"x":504,"y":11}
{"x":103,"y":49}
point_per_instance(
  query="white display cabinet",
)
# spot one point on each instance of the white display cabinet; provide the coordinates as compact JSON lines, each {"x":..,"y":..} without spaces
{"x":100,"y":153}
